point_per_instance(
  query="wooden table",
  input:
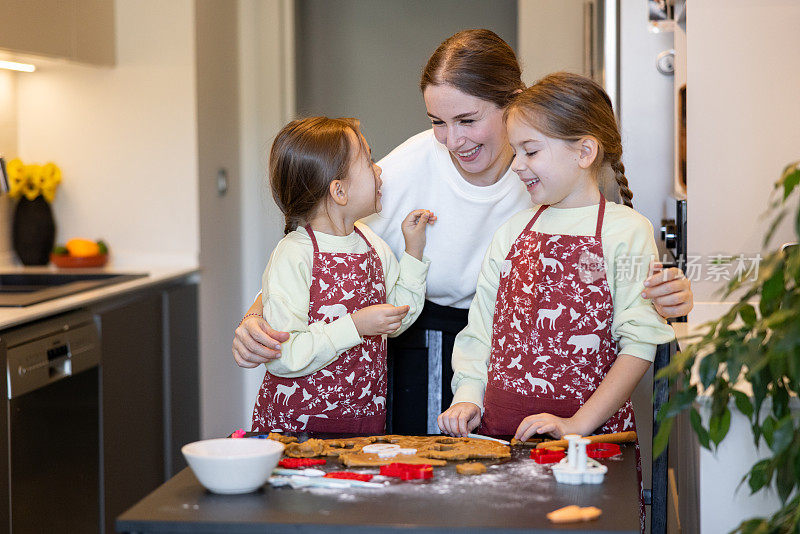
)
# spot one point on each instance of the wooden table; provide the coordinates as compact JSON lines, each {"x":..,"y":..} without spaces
{"x":513,"y":496}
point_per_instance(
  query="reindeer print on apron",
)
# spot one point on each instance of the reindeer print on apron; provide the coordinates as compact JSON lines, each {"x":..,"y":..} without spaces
{"x":349,"y":395}
{"x":551,"y":337}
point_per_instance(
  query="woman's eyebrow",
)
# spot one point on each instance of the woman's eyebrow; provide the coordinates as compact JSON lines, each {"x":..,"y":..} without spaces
{"x":457,"y":117}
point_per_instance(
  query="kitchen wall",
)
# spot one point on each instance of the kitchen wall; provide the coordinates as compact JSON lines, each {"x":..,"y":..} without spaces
{"x":267,"y":102}
{"x":743,"y":115}
{"x":363,"y":58}
{"x":8,"y":149}
{"x":124,"y":137}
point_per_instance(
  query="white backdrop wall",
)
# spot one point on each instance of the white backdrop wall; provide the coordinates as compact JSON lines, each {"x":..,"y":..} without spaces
{"x":743,"y":122}
{"x":124,"y":137}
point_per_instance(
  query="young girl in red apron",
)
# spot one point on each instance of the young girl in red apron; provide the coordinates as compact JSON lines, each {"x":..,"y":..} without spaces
{"x":331,"y":376}
{"x":541,"y":353}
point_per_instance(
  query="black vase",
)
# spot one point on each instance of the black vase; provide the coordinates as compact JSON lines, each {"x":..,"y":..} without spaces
{"x":34,"y":232}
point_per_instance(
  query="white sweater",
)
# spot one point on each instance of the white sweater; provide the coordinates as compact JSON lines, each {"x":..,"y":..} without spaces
{"x":420,"y":174}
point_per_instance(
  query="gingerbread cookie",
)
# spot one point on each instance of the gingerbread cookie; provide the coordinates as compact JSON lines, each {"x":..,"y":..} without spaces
{"x":308,"y":449}
{"x":383,"y":450}
{"x":471,"y":468}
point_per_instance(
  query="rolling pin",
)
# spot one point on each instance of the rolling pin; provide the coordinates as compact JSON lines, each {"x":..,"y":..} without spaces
{"x":619,"y":437}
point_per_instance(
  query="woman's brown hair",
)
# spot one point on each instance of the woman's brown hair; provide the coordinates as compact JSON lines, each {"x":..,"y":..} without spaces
{"x":306,"y":156}
{"x":478,"y":63}
{"x":569,"y":106}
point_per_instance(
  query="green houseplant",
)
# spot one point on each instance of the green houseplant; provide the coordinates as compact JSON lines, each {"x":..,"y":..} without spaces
{"x":759,"y":344}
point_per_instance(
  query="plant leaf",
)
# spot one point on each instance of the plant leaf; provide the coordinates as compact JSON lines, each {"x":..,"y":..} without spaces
{"x":782,"y":435}
{"x":718,"y":426}
{"x":771,"y":292}
{"x":790,"y":179}
{"x":743,"y":403}
{"x":760,"y":475}
{"x":748,"y":314}
{"x":708,"y":369}
{"x":662,"y":437}
{"x":768,"y":428}
{"x":697,"y":425}
{"x":785,"y":482}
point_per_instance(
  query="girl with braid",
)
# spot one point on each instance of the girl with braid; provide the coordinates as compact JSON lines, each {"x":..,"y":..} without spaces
{"x":461,"y":169}
{"x":557,"y":337}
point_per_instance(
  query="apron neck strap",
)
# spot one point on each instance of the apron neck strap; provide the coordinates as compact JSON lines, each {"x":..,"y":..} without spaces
{"x":536,"y":216}
{"x":313,"y":237}
{"x":365,"y":239}
{"x":600,"y":214}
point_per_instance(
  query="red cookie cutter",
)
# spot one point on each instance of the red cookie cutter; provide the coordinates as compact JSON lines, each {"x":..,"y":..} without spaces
{"x":297,"y":463}
{"x":239,"y":433}
{"x":602,"y":450}
{"x":407,"y":471}
{"x":544,"y":456}
{"x":349,"y":475}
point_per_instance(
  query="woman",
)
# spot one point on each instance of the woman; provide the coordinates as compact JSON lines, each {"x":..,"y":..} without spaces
{"x":460,"y":169}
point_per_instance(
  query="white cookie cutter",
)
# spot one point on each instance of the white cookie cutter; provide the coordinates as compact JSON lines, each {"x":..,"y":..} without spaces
{"x":577,"y":468}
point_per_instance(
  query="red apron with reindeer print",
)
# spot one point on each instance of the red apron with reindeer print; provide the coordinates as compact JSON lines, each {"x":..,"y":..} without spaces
{"x":349,"y":395}
{"x":551,"y":337}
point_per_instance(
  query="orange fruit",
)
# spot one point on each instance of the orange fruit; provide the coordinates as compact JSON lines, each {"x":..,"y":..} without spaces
{"x":81,"y":248}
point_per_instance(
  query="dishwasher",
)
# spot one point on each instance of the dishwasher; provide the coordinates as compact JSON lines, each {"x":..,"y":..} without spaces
{"x":53,"y":425}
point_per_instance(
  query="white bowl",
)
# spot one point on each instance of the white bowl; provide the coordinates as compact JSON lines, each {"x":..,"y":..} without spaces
{"x":233,"y":465}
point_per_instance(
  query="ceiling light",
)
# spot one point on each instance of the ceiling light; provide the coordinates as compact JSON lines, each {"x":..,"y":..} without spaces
{"x":12,"y":65}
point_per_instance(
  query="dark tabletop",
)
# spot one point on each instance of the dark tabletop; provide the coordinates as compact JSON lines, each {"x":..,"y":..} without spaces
{"x":513,"y":495}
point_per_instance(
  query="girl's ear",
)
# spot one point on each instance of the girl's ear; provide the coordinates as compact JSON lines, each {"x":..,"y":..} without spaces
{"x":589,"y":149}
{"x":338,"y":192}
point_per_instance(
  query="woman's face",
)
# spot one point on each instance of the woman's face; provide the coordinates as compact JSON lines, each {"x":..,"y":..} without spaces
{"x":472,"y":129}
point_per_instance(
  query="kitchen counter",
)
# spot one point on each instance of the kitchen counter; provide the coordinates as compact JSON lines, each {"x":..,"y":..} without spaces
{"x":513,"y":496}
{"x":155,"y":276}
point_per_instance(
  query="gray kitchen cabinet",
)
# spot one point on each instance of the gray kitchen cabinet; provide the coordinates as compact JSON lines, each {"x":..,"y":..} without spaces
{"x":132,"y":400}
{"x":182,"y":367}
{"x":78,"y":30}
{"x":149,"y":391}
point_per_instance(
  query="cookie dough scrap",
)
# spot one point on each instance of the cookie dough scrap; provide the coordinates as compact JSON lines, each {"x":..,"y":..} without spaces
{"x":275,"y":436}
{"x":471,"y":468}
{"x":363,"y":459}
{"x":574,"y":514}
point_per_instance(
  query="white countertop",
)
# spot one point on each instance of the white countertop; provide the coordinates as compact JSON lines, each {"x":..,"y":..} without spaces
{"x":155,"y":275}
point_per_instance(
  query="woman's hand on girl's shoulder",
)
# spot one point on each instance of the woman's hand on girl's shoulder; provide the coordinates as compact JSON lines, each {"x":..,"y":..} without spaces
{"x":670,"y":291}
{"x":460,"y":419}
{"x":256,"y":342}
{"x":413,"y":228}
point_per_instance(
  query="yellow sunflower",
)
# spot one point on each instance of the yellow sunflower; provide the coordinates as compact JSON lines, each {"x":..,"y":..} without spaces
{"x":33,"y":180}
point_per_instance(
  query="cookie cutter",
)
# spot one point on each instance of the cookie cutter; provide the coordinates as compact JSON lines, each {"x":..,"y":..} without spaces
{"x":296,"y":463}
{"x":349,"y":475}
{"x":603,"y":450}
{"x":239,"y":433}
{"x":577,"y":468}
{"x":407,"y":471}
{"x":545,"y":456}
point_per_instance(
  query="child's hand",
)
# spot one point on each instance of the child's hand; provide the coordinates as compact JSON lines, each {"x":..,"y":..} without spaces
{"x":379,"y":319}
{"x":460,"y":419}
{"x":413,"y":227}
{"x":545,"y":423}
